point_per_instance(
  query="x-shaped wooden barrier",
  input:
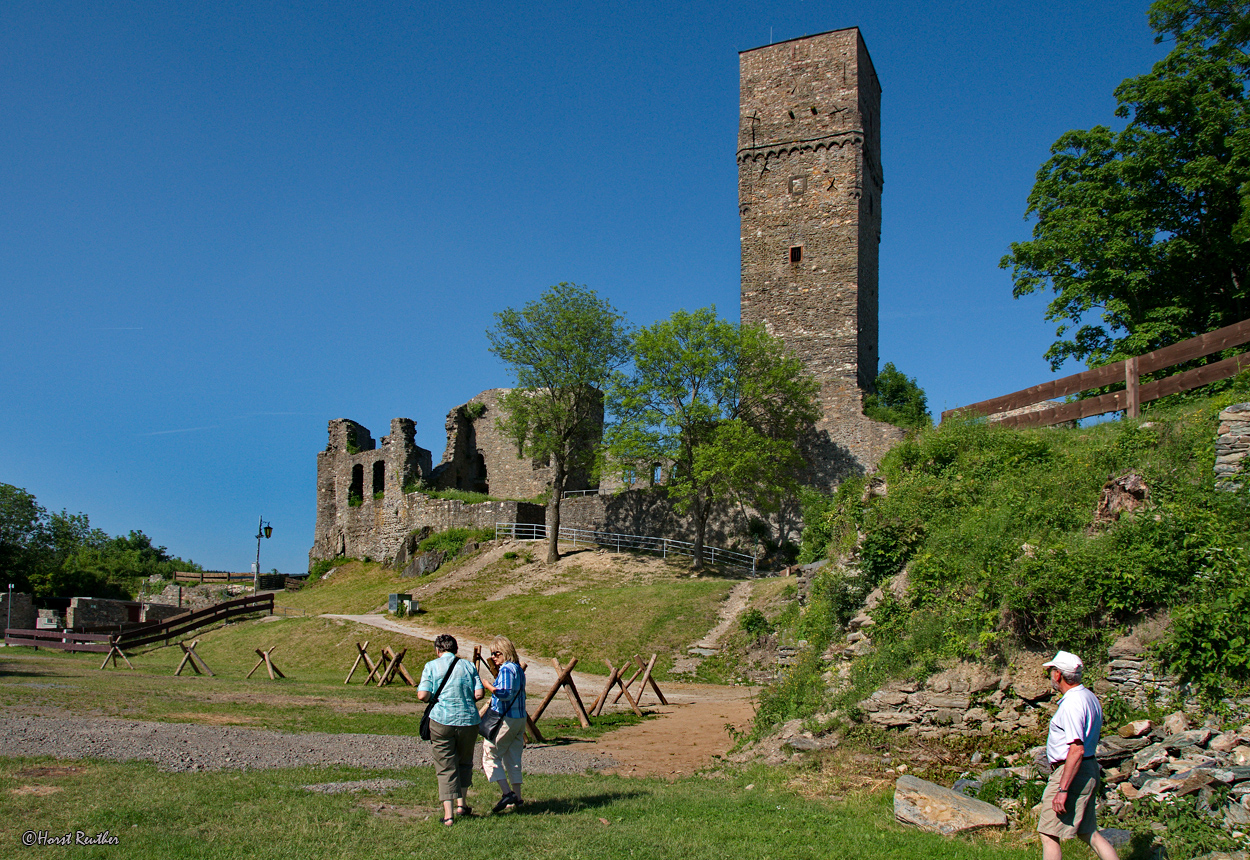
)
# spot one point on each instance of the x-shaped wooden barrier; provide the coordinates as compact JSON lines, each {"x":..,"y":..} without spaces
{"x":479,"y":662}
{"x":614,"y":679}
{"x":564,"y":678}
{"x":362,"y":655}
{"x":393,"y":661}
{"x":189,"y":657}
{"x":644,"y":669}
{"x":268,"y":662}
{"x":114,"y":653}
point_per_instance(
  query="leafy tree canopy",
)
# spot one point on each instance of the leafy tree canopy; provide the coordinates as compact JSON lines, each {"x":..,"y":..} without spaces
{"x":1143,"y":235}
{"x":61,"y":555}
{"x":721,"y":406}
{"x":898,"y":400}
{"x":562,"y":349}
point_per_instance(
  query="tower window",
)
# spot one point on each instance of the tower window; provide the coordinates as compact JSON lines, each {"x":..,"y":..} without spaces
{"x":796,"y":254}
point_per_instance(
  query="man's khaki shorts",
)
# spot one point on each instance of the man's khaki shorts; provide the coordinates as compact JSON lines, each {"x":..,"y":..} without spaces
{"x":1080,"y":817}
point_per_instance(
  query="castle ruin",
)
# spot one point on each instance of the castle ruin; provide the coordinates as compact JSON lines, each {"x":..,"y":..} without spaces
{"x":370,"y":495}
{"x":809,"y":199}
{"x":809,"y":195}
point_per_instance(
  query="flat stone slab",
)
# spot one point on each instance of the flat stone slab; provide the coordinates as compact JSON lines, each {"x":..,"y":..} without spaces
{"x":931,"y":807}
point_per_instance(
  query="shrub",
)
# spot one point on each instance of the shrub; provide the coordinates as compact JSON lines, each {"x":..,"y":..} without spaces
{"x":756,"y":623}
{"x":452,"y":541}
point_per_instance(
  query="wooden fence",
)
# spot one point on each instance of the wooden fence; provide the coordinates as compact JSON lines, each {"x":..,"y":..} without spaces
{"x":68,"y":640}
{"x":185,"y":623}
{"x":1130,"y":372}
{"x":201,"y":577}
{"x":61,"y":640}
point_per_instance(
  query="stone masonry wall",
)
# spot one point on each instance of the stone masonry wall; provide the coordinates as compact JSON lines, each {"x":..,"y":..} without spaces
{"x":809,"y":199}
{"x":97,"y":612}
{"x":1231,"y":446}
{"x":364,"y":510}
{"x":22,"y":616}
{"x":481,"y":458}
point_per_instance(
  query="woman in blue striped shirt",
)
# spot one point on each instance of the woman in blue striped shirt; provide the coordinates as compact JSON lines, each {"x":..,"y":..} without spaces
{"x":501,"y":759}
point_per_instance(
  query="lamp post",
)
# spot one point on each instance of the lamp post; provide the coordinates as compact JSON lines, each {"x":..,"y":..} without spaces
{"x":263,"y":530}
{"x":8,"y":621}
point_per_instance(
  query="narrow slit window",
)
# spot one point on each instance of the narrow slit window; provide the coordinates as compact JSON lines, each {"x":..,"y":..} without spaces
{"x":796,"y":254}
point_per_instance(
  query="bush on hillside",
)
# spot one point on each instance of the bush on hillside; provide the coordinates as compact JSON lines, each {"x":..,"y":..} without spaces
{"x":994,"y":526}
{"x":452,"y":541}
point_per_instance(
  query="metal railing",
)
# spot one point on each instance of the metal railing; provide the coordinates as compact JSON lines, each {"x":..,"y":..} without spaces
{"x":570,"y":493}
{"x":618,"y":542}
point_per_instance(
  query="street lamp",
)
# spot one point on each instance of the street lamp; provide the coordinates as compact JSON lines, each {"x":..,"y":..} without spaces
{"x":263,"y":530}
{"x":8,"y":622}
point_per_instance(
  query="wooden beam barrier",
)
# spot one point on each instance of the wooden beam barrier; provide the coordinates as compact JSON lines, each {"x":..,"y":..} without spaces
{"x":114,"y":652}
{"x":1130,"y":370}
{"x":362,"y":655}
{"x":614,"y":679}
{"x":190,"y":658}
{"x":393,"y":663}
{"x":564,"y":679}
{"x":267,"y":660}
{"x":647,"y":678}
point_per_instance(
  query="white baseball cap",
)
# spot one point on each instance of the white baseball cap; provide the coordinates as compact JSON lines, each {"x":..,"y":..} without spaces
{"x":1065,"y":662}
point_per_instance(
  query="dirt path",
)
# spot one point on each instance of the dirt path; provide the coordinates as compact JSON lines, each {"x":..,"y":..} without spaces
{"x":683,"y":738}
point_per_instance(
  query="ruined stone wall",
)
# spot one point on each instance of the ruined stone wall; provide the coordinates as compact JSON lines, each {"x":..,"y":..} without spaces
{"x":363,"y":509}
{"x":21,"y":616}
{"x":98,"y":612}
{"x":481,"y":458}
{"x":809,"y":198}
{"x":651,"y":512}
{"x":377,"y":528}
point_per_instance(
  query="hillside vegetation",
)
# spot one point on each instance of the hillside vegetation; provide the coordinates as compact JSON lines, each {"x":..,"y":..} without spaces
{"x":592,"y":604}
{"x":994,"y":528}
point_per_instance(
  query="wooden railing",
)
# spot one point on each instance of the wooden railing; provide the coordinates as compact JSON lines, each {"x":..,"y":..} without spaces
{"x":61,"y":640}
{"x":200,"y":576}
{"x":185,"y":623}
{"x":1130,"y":372}
{"x":68,"y":640}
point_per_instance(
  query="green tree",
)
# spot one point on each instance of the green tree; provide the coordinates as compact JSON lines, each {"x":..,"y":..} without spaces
{"x":722,"y":406}
{"x":898,"y":400}
{"x":1143,"y":235}
{"x":562,"y":349}
{"x":23,"y":538}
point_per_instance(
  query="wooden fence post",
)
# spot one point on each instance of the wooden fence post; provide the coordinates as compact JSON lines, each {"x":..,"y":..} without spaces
{"x":1132,"y":380}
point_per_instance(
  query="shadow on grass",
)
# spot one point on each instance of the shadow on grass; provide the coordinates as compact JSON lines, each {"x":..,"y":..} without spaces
{"x":567,"y":806}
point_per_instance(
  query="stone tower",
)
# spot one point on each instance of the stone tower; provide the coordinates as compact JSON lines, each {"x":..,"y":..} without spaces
{"x":809,"y":196}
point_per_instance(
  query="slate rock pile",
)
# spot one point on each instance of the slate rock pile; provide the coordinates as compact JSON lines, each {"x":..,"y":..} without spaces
{"x":1145,"y":763}
{"x":1231,"y":446}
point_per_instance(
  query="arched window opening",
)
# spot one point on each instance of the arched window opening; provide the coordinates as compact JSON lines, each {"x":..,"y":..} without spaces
{"x":479,"y":477}
{"x":379,"y":479}
{"x":356,"y":492}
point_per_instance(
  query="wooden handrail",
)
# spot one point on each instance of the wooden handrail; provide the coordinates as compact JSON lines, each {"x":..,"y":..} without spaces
{"x":1129,"y":370}
{"x":187,"y":622}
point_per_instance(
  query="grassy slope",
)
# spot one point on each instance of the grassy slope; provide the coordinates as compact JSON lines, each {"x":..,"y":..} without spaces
{"x":266,"y":815}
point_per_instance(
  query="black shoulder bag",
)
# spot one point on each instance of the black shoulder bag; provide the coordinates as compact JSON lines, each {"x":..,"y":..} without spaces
{"x":492,"y":720}
{"x":425,"y":718}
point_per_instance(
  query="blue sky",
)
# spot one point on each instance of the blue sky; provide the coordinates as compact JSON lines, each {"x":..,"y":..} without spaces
{"x":223,"y":225}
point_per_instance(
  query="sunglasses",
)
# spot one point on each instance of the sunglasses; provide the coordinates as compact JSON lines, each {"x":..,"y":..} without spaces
{"x":496,"y":653}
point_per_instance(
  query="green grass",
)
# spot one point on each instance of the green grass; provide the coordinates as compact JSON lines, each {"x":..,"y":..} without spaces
{"x":354,"y":588}
{"x":266,"y":814}
{"x":593,"y":623}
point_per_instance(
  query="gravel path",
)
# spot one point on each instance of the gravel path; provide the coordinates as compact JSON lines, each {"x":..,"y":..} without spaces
{"x":189,"y":747}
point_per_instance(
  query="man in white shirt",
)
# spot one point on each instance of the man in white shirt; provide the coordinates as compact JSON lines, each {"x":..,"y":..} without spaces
{"x":1068,"y":804}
